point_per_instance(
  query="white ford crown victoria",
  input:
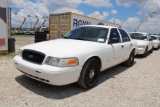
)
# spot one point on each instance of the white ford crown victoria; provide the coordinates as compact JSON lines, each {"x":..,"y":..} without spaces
{"x":144,"y":42}
{"x":77,"y":57}
{"x":156,"y":41}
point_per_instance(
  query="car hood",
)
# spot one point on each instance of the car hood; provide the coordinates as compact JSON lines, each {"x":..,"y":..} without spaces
{"x":156,"y":41}
{"x":61,"y":47}
{"x":141,"y":42}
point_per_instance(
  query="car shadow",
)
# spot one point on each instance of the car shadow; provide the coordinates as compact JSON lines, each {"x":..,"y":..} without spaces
{"x":62,"y":92}
{"x":141,"y":57}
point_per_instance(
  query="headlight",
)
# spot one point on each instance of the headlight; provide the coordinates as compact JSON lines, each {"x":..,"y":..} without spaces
{"x":61,"y":62}
{"x":141,"y":46}
{"x":20,"y":52}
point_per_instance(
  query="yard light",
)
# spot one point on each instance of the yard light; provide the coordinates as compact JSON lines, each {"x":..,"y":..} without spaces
{"x":151,"y":15}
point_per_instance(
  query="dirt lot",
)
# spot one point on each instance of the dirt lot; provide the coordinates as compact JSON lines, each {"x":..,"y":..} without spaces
{"x":138,"y":86}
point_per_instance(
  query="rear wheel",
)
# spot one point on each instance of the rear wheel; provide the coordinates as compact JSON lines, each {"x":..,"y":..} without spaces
{"x":130,"y":60}
{"x":89,"y":74}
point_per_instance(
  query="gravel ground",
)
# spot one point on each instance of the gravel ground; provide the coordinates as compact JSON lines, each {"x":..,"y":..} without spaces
{"x":138,"y":86}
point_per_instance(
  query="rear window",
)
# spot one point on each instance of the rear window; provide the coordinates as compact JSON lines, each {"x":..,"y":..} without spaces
{"x":124,"y":35}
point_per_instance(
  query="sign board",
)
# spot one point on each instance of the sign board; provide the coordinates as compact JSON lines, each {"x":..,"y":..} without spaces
{"x":61,"y":23}
{"x":3,"y":25}
{"x":79,"y":20}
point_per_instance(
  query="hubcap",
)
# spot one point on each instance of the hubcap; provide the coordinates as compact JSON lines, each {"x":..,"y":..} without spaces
{"x":131,"y":58}
{"x":91,"y":74}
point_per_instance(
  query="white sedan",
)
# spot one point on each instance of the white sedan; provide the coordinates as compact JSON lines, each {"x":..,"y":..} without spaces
{"x":144,"y":42}
{"x":77,"y":57}
{"x":156,"y":41}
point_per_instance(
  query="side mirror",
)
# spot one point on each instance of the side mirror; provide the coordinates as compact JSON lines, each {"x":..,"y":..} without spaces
{"x":113,"y":40}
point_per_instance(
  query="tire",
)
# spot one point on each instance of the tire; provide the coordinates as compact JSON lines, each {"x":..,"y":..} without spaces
{"x":157,"y":48}
{"x":151,"y":51}
{"x":145,"y":53}
{"x":90,"y":74}
{"x":130,"y":60}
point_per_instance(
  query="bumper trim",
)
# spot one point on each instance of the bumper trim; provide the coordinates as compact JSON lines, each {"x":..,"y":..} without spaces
{"x":40,"y":79}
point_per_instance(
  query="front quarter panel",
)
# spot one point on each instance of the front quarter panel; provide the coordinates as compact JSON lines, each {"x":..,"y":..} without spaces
{"x":99,"y":51}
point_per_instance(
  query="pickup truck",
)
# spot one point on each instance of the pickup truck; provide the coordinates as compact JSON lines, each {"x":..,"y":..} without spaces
{"x":79,"y":56}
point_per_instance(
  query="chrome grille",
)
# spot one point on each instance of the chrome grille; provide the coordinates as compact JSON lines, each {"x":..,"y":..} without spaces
{"x":33,"y":56}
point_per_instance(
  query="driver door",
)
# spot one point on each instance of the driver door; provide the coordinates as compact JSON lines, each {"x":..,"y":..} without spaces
{"x":116,"y":47}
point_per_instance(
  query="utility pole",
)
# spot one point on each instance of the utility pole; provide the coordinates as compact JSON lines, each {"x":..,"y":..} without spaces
{"x":151,"y":15}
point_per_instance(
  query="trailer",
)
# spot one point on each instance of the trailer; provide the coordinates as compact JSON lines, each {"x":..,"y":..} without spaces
{"x":61,"y":23}
{"x":4,"y":26}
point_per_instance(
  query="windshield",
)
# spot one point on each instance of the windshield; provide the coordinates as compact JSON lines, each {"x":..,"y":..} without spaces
{"x":95,"y":34}
{"x":138,"y":36}
{"x":154,"y":38}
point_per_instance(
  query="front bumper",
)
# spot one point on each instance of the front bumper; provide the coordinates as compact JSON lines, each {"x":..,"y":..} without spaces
{"x":48,"y":74}
{"x":140,"y":51}
{"x":155,"y":46}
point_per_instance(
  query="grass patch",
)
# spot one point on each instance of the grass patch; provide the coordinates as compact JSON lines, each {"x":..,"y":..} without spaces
{"x":11,"y":55}
{"x":22,"y":36}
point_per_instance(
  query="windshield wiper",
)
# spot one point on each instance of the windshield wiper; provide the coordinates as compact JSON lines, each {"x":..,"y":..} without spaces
{"x":78,"y":38}
{"x":66,"y":37}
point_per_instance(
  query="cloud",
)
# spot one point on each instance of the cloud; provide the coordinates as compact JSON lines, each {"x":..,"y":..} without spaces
{"x":117,"y":21}
{"x":114,"y":12}
{"x":139,"y":13}
{"x":21,"y":3}
{"x":150,"y":26}
{"x":125,"y":3}
{"x":40,"y":8}
{"x":144,"y":5}
{"x":55,"y":5}
{"x":131,"y":24}
{"x":98,"y":3}
{"x":46,"y":7}
{"x":147,"y":7}
{"x":98,"y":15}
{"x":65,"y":9}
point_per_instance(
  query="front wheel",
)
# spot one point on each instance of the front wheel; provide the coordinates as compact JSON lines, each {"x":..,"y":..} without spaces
{"x":145,"y":52}
{"x":89,"y":74}
{"x":157,"y":48}
{"x":130,"y":60}
{"x":151,"y":51}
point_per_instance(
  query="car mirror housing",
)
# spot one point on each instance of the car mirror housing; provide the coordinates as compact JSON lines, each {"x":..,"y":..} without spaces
{"x":145,"y":39}
{"x":113,"y":40}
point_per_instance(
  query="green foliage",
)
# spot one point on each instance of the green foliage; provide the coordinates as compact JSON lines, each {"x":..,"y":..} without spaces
{"x":8,"y":55}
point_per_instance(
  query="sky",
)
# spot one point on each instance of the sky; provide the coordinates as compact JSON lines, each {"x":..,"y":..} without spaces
{"x":129,"y":13}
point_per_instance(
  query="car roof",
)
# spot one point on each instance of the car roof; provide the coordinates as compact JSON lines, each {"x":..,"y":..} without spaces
{"x":104,"y":26}
{"x":139,"y":32}
{"x":155,"y":35}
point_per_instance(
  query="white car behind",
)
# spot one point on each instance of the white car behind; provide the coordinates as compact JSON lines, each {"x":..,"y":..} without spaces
{"x":144,"y":42}
{"x":156,"y":41}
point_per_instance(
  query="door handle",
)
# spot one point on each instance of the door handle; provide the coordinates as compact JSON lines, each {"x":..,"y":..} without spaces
{"x":122,"y":46}
{"x":130,"y":44}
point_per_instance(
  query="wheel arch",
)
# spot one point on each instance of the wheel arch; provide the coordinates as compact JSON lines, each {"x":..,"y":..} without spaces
{"x":135,"y":51}
{"x":95,"y":57}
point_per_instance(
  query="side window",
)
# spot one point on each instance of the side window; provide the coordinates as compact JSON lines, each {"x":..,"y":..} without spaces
{"x":125,"y":37}
{"x":114,"y":36}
